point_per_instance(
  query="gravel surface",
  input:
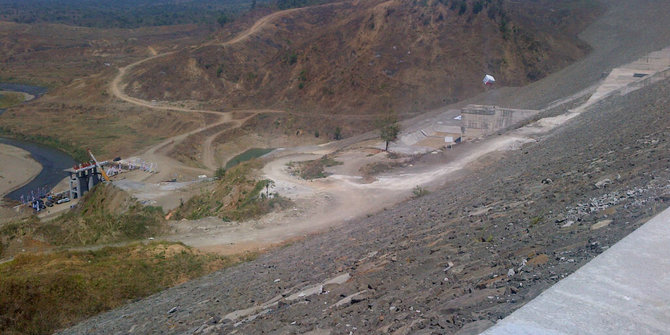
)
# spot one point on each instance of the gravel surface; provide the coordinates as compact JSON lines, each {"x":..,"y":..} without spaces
{"x":462,"y":257}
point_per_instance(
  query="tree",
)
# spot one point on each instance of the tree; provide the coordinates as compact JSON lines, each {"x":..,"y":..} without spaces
{"x":389,"y":128}
{"x":338,"y":133}
{"x":222,"y":19}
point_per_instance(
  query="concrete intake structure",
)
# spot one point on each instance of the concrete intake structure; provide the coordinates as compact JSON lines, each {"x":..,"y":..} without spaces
{"x":82,"y":179}
{"x":480,"y":120}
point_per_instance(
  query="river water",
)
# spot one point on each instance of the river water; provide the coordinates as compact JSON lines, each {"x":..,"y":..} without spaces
{"x":53,"y":163}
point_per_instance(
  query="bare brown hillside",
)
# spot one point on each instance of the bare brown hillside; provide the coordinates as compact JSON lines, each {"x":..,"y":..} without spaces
{"x":372,"y":56}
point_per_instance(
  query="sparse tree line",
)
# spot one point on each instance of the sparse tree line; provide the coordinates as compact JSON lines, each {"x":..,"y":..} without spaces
{"x":136,"y":13}
{"x":123,"y":13}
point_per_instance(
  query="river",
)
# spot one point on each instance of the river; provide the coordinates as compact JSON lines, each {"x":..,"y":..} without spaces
{"x":53,"y":163}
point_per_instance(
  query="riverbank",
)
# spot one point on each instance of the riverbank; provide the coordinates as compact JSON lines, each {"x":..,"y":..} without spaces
{"x":53,"y":163}
{"x":17,"y":168}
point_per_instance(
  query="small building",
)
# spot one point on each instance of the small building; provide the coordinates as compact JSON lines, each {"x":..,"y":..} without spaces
{"x":83,"y":178}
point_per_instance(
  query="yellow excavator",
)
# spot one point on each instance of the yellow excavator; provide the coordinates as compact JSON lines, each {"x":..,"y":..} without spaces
{"x":102,"y":170}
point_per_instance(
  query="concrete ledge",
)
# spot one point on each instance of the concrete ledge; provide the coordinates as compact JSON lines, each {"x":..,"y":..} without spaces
{"x":625,"y":290}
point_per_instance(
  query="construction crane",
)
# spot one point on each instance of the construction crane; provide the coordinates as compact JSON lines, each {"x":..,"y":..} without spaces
{"x":102,"y":170}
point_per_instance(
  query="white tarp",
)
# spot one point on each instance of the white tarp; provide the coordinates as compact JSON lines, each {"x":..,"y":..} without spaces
{"x":489,"y":80}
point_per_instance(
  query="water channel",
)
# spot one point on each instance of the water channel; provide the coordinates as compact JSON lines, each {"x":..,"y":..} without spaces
{"x":53,"y":161}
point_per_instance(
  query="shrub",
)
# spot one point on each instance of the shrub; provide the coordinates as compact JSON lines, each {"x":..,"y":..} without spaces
{"x":338,"y":133}
{"x":220,"y":172}
{"x":419,"y":191}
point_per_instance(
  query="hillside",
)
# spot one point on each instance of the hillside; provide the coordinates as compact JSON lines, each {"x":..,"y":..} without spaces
{"x":368,"y":57}
{"x":440,"y":262}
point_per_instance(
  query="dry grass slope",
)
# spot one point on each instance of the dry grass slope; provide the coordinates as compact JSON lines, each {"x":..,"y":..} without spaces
{"x":40,"y":294}
{"x":364,"y":57}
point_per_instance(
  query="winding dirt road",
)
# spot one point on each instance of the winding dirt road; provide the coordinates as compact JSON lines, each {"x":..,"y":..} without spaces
{"x":157,"y":153}
{"x":322,"y":203}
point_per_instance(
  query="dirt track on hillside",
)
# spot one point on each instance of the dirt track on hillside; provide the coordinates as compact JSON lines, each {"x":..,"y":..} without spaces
{"x":347,"y":196}
{"x":442,"y":262}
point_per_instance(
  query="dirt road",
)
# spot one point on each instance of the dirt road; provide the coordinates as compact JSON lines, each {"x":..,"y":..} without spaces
{"x":320,"y":203}
{"x":157,"y":153}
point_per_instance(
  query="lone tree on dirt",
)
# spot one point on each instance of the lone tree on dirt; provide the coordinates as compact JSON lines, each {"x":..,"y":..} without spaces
{"x":389,"y":128}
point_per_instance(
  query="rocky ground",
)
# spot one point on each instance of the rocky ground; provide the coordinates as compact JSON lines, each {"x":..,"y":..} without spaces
{"x":454,"y":260}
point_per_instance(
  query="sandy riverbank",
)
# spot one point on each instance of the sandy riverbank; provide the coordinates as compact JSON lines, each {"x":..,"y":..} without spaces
{"x":16,"y":168}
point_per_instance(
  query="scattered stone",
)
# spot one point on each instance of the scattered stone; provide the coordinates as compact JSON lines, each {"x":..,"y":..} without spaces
{"x":474,"y":328}
{"x":354,"y":298}
{"x":523,"y":264}
{"x":539,"y":260}
{"x":341,"y":279}
{"x":568,"y":224}
{"x":306,"y":292}
{"x":601,"y":224}
{"x":213,"y":320}
{"x":604,"y":182}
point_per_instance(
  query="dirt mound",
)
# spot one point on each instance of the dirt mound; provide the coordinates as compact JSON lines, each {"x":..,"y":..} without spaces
{"x":107,"y":199}
{"x":367,"y":57}
{"x":238,"y":195}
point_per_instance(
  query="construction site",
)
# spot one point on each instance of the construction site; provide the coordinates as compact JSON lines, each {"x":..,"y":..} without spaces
{"x":307,"y":220}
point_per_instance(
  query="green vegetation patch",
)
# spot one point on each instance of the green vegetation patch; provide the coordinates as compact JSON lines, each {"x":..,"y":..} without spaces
{"x":237,"y":195}
{"x":104,"y":215}
{"x":418,"y":192}
{"x":9,"y":99}
{"x":247,"y":155}
{"x":313,"y":169}
{"x":40,"y":294}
